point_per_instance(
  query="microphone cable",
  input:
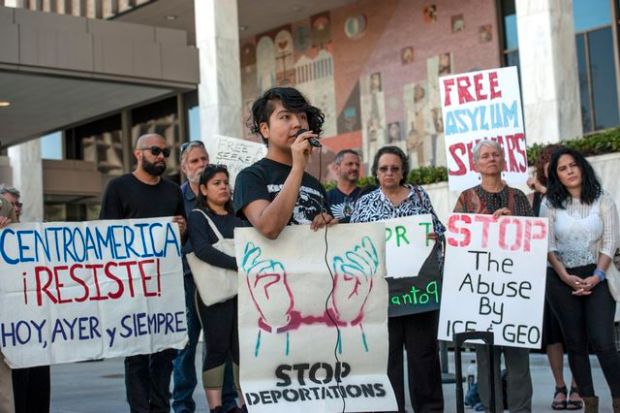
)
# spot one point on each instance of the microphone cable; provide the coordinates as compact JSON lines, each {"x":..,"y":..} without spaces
{"x":338,"y":344}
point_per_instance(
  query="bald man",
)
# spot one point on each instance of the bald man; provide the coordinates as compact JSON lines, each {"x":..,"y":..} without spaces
{"x":145,"y":194}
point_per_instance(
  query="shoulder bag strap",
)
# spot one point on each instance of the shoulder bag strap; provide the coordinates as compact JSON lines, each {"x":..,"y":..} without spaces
{"x":211,"y":224}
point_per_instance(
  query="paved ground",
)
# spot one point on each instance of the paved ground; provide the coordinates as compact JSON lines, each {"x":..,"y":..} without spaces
{"x":98,"y":387}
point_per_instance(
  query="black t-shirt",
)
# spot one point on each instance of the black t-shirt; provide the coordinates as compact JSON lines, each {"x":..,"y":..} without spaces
{"x":203,"y":237}
{"x":128,"y":197}
{"x":342,"y":205}
{"x":264,"y":180}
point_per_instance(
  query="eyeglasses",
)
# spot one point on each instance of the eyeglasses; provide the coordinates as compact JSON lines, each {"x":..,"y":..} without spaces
{"x":391,"y":168}
{"x":17,"y":204}
{"x":191,"y":144}
{"x":216,"y":166}
{"x":156,"y":151}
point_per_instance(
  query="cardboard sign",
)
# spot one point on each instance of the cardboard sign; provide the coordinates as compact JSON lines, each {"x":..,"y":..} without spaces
{"x":90,"y":290}
{"x":413,"y":274}
{"x":235,"y":153}
{"x":483,"y":105}
{"x":299,"y":305}
{"x":494,"y":278}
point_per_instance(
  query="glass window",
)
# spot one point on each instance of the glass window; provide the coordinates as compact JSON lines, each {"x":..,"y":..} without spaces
{"x":509,"y":16}
{"x":512,"y":59}
{"x":602,"y":69}
{"x":193,"y":115}
{"x":100,"y":141}
{"x":590,"y":14}
{"x":51,"y":146}
{"x":584,"y":89}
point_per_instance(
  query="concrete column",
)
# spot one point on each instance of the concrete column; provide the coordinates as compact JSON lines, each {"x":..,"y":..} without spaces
{"x":28,"y":178}
{"x":549,"y":76}
{"x":219,"y":91}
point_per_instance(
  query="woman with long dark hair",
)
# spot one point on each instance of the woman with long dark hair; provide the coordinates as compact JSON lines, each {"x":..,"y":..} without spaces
{"x":214,"y":218}
{"x":583,"y":228}
{"x":552,"y":340}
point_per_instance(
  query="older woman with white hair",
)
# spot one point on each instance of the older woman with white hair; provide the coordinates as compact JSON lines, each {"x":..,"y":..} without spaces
{"x":495,"y":198}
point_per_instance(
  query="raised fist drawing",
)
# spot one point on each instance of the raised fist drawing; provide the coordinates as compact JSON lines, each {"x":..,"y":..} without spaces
{"x":266,"y":280}
{"x":353,"y":281}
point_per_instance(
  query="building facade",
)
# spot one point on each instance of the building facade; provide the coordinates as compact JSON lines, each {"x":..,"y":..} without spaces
{"x":190,"y":69}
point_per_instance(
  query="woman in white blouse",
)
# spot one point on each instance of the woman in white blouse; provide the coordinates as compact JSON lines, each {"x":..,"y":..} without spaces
{"x":583,"y":228}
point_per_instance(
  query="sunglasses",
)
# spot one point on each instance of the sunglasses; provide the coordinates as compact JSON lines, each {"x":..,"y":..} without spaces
{"x":191,"y":144}
{"x":216,"y":166}
{"x":156,"y":151}
{"x":384,"y":169}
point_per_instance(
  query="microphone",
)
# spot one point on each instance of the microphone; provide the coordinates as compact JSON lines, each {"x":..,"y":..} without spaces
{"x":313,"y":141}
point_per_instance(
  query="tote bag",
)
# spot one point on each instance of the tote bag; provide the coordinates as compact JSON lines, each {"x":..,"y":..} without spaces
{"x":214,"y":284}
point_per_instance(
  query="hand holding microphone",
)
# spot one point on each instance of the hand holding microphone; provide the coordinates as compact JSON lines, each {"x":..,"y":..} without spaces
{"x":312,"y":141}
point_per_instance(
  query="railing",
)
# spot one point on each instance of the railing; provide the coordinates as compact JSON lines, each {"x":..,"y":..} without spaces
{"x":93,"y":9}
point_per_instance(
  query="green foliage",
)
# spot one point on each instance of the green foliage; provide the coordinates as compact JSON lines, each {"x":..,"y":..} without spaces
{"x":598,"y":143}
{"x":428,"y":175}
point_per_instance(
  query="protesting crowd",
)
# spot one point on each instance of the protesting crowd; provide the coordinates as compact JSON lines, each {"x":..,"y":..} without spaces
{"x":276,"y":192}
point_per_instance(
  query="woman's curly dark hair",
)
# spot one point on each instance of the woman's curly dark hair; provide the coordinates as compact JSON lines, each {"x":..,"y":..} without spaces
{"x":393,"y":150}
{"x":292,"y":100}
{"x":543,"y":158}
{"x":207,"y":174}
{"x":590,"y":186}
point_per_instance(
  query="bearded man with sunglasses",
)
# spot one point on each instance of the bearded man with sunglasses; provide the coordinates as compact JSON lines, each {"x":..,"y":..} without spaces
{"x":144,"y":194}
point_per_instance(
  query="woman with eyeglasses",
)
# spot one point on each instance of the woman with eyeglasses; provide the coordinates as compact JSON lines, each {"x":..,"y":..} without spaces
{"x":495,"y":198}
{"x":416,"y":333}
{"x":219,"y":321}
{"x":583,"y":230}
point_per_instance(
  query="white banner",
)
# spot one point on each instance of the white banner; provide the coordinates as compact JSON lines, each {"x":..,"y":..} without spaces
{"x":90,"y":290}
{"x":293,"y":317}
{"x":483,"y":105}
{"x":235,"y":153}
{"x":494,"y":278}
{"x":407,"y":245}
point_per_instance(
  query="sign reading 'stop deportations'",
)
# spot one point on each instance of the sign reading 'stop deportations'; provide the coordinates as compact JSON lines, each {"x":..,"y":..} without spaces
{"x":79,"y":291}
{"x":313,"y":323}
{"x":483,"y":105}
{"x":494,"y":278}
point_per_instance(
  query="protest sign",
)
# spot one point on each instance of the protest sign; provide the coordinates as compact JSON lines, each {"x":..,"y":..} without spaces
{"x":298,"y":306}
{"x":483,"y":105}
{"x":414,"y":284}
{"x":494,"y":278}
{"x":90,"y":290}
{"x":235,"y":153}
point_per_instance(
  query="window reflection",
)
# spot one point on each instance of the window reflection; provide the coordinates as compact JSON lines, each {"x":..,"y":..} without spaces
{"x":604,"y":96}
{"x":584,"y":89}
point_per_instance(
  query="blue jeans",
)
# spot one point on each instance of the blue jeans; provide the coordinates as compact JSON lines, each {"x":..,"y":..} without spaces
{"x":184,"y":372}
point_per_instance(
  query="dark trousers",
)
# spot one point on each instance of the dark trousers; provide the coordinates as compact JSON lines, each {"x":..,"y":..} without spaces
{"x":586,"y":320}
{"x":221,"y":334}
{"x":417,"y":334}
{"x":219,"y":324}
{"x":147,"y":381}
{"x":31,"y":389}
